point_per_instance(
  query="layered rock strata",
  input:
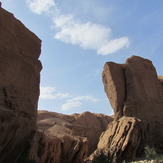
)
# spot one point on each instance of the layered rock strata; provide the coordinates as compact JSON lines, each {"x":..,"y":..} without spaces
{"x":19,"y":86}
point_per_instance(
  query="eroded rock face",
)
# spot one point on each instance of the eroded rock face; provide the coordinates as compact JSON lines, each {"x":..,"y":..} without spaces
{"x":144,"y":92}
{"x":133,"y":88}
{"x":49,"y":148}
{"x":114,"y":84}
{"x":136,"y":95}
{"x":58,"y":138}
{"x":78,"y":135}
{"x":19,"y":85}
{"x":122,"y":137}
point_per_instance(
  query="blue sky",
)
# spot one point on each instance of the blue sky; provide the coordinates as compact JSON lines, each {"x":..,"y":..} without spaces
{"x":79,"y":36}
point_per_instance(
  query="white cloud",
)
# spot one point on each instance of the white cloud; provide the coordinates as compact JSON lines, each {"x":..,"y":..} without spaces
{"x":50,"y":93}
{"x":40,"y":6}
{"x":71,"y":104}
{"x":72,"y":31}
{"x":77,"y":102}
{"x":88,"y":35}
{"x":86,"y":98}
{"x":113,"y":45}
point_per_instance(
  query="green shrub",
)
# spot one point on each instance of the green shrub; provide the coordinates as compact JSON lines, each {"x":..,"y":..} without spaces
{"x":150,"y":152}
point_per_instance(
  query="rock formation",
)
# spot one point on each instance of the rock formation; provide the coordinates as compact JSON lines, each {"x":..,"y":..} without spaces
{"x":49,"y":148}
{"x":134,"y":90}
{"x":67,"y":138}
{"x":161,"y":79}
{"x":57,"y":138}
{"x":19,"y":86}
{"x":136,"y":95}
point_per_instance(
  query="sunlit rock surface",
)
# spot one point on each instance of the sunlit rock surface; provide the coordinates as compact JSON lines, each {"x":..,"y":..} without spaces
{"x":136,"y":95}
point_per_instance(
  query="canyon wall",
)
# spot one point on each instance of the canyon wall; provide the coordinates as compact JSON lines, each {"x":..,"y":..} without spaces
{"x":134,"y":90}
{"x":26,"y":135}
{"x":67,"y":138}
{"x":136,"y":95}
{"x":19,"y":86}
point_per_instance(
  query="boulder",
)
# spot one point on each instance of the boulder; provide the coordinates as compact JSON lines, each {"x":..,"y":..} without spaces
{"x":113,"y":78}
{"x":123,"y":139}
{"x":19,"y":86}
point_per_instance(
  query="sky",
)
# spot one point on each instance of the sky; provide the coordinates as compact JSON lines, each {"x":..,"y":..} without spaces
{"x":79,"y":36}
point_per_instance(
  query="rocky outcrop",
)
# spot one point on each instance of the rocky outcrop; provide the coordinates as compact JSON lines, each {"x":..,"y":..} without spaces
{"x":56,"y":137}
{"x":133,"y":88}
{"x":77,"y":136}
{"x":114,"y":85}
{"x":161,"y":79}
{"x":136,"y":95}
{"x":122,"y":137}
{"x":19,"y":86}
{"x":49,"y":148}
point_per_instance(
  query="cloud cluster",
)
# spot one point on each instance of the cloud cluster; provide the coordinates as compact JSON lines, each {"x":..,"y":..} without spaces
{"x":40,"y":6}
{"x":49,"y":93}
{"x":77,"y":102}
{"x":84,"y":34}
{"x":88,"y":35}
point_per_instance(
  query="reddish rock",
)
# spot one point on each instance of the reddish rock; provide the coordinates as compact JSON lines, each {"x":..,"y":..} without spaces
{"x":79,"y":133}
{"x":144,"y":92}
{"x":91,"y":126}
{"x":123,"y":139}
{"x":133,"y":88}
{"x":49,"y":148}
{"x":19,"y":86}
{"x":114,"y":84}
{"x":136,"y":95}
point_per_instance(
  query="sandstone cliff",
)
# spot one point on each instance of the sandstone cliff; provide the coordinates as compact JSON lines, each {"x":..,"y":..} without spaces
{"x":136,"y":95}
{"x":19,"y":86}
{"x":67,"y":138}
{"x":55,"y":137}
{"x":134,"y":90}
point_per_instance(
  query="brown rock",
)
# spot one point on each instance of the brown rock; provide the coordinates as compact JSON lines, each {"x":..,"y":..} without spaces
{"x":19,"y":86}
{"x":161,"y":79}
{"x":79,"y":133}
{"x":91,"y":126}
{"x":123,"y":139}
{"x":114,"y":84}
{"x":45,"y":148}
{"x":144,"y":92}
{"x":144,"y":99}
{"x":134,"y":90}
{"x":49,"y":148}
